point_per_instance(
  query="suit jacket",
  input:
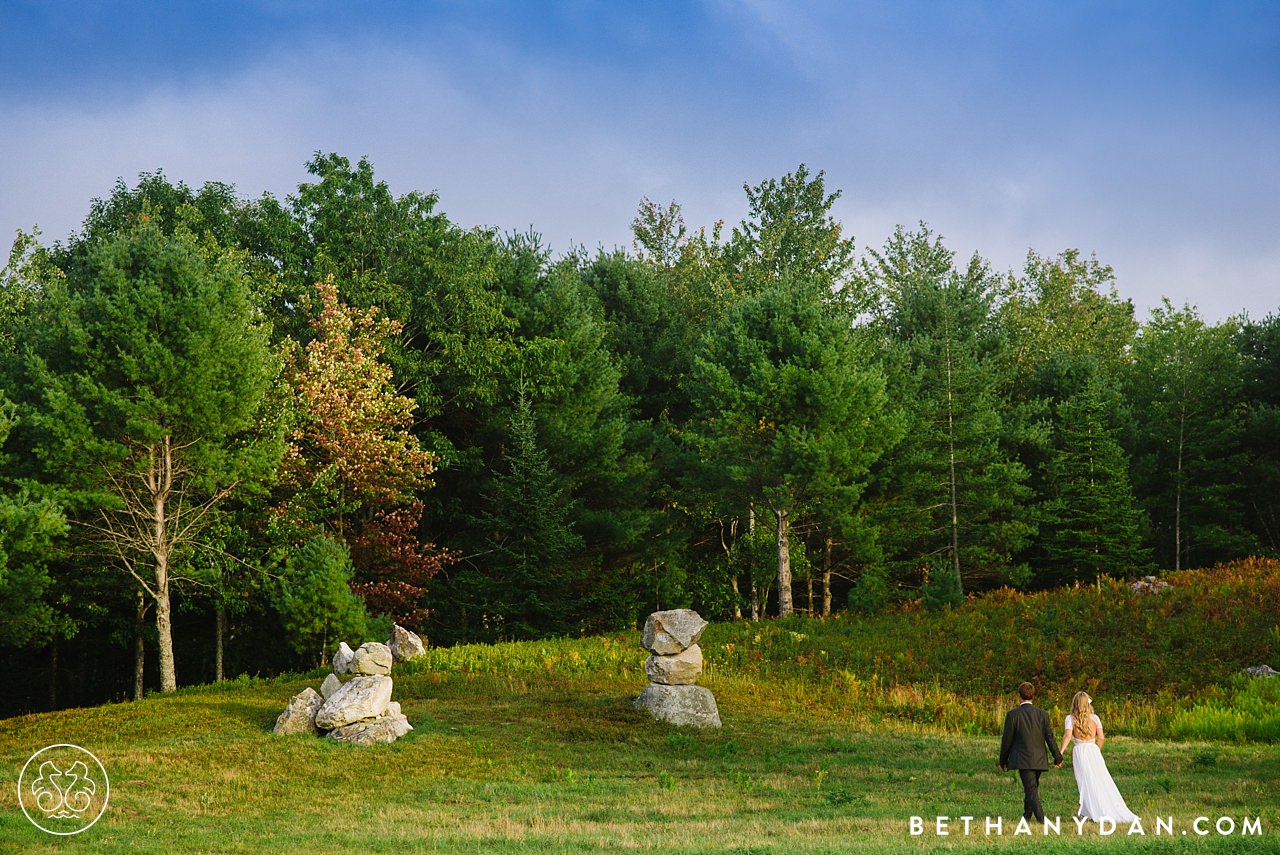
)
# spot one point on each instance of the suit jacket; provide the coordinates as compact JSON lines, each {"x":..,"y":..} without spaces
{"x":1026,"y":736}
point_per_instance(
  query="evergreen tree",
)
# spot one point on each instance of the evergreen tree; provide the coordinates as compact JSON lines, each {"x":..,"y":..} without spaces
{"x":789,"y":409}
{"x":1188,"y":449}
{"x":950,"y":488}
{"x":145,"y":387}
{"x":315,"y":601}
{"x":1259,"y":345}
{"x":1089,"y":523}
{"x":30,"y":524}
{"x":528,"y":582}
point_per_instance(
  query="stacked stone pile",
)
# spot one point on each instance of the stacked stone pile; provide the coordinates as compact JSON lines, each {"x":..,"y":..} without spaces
{"x":675,"y":661}
{"x":1149,"y":585}
{"x":358,"y":710}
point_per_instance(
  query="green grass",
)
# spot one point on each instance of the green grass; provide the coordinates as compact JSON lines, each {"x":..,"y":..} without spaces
{"x":535,"y":747}
{"x":563,"y":763}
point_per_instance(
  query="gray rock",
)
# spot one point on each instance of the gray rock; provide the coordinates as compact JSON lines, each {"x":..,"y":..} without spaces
{"x":384,"y":728}
{"x":679,"y":669}
{"x":672,"y":631}
{"x":405,"y":644}
{"x":342,"y":659}
{"x":393,"y":708}
{"x":330,"y":685}
{"x":300,"y":715}
{"x":359,"y":698}
{"x":1149,"y":585}
{"x":680,"y":705}
{"x":372,"y":658}
{"x":1261,"y":671}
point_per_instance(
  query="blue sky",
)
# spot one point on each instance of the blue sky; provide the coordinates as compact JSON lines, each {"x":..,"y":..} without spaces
{"x":1147,"y":133}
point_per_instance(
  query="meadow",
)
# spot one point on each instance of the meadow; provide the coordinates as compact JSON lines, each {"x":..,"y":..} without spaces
{"x":836,"y":733}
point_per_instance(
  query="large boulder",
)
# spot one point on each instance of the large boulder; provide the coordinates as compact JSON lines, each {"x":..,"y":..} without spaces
{"x":1261,"y":671}
{"x":372,"y":658}
{"x":405,"y":644}
{"x":359,"y":698}
{"x":300,"y":715}
{"x":384,"y":728}
{"x":680,"y":705}
{"x":672,"y":631}
{"x":679,"y":669}
{"x":342,"y":659}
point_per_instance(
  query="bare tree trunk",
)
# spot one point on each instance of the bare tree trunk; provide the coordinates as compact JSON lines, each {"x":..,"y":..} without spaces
{"x":755,"y":597}
{"x":164,"y":628}
{"x":155,"y":520}
{"x":139,"y":650}
{"x":784,"y":564}
{"x":139,"y":666}
{"x":726,"y":544}
{"x":160,"y":480}
{"x":220,"y":634}
{"x":826,"y":576}
{"x":53,"y":673}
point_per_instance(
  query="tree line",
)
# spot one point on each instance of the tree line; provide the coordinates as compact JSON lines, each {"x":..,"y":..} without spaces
{"x":235,"y":431}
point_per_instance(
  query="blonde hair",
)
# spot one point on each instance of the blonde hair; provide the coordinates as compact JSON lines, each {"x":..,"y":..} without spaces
{"x":1082,"y":726}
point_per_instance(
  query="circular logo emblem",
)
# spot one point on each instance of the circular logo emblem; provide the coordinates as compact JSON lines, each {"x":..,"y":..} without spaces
{"x":63,"y":789}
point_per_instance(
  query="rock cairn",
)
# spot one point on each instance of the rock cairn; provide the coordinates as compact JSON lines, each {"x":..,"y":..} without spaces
{"x":358,"y":710}
{"x":1149,"y":585}
{"x":671,"y":637}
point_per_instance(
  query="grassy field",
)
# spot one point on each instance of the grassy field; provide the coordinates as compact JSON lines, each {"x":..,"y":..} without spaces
{"x":535,"y":747}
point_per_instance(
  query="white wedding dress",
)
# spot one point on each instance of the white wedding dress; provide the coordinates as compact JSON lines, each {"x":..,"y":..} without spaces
{"x":1099,"y":797}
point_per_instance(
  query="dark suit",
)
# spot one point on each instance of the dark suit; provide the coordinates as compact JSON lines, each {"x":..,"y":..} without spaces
{"x":1023,"y":745}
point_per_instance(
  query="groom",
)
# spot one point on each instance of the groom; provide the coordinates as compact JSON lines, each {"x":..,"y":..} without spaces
{"x":1022,"y":747}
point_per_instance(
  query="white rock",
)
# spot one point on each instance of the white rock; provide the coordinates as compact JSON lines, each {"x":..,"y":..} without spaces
{"x":372,"y":657}
{"x":342,"y":659}
{"x":359,"y":698}
{"x":405,"y":644}
{"x":300,"y":715}
{"x":384,"y":728}
{"x":679,"y":669}
{"x":672,"y":631}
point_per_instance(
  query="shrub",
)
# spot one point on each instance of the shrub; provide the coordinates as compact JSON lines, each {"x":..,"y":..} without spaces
{"x":315,"y":601}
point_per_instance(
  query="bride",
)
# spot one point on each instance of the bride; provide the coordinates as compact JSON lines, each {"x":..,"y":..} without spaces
{"x":1099,"y":797}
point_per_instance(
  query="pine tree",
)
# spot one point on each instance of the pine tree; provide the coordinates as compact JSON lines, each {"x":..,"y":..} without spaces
{"x":1188,"y":449}
{"x":1090,"y":525}
{"x":147,"y":381}
{"x":949,"y":488}
{"x":527,"y":583}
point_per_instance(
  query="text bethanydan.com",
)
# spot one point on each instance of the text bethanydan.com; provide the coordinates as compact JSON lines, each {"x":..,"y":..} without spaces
{"x":1164,"y":826}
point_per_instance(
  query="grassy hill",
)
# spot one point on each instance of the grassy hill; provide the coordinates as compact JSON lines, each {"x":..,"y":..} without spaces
{"x":835,"y":734}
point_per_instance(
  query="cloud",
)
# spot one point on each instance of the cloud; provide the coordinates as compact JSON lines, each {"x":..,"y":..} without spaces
{"x":949,"y":120}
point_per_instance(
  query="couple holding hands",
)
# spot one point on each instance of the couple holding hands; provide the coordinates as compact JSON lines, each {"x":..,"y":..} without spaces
{"x":1027,"y":741}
